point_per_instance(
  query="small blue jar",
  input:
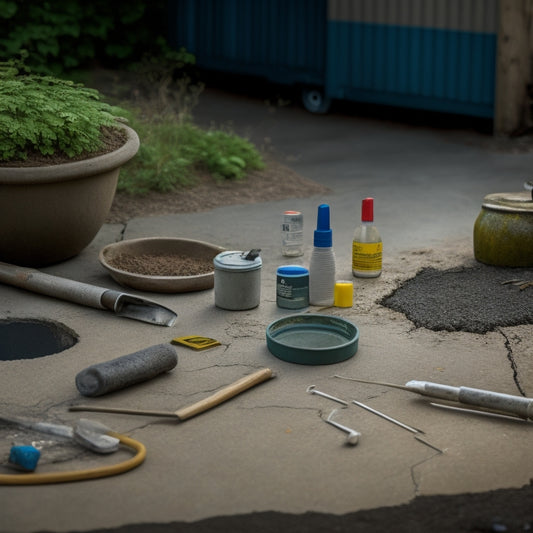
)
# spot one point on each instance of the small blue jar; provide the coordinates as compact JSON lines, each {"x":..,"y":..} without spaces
{"x":292,"y":287}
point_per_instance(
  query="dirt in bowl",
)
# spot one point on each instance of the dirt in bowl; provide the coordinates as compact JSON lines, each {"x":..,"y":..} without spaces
{"x":162,"y":264}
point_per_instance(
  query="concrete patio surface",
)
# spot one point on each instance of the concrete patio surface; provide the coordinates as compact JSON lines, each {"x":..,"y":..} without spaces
{"x":269,"y":448}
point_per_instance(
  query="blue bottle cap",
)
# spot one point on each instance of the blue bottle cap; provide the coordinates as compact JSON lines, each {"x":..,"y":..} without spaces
{"x":323,"y":237}
{"x":292,"y":270}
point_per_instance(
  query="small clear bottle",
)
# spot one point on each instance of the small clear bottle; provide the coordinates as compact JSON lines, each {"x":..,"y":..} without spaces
{"x":292,"y":234}
{"x":367,"y":246}
{"x":322,"y":263}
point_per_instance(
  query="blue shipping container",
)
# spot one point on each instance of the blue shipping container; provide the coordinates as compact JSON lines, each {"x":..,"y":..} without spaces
{"x":282,"y":40}
{"x":430,"y":54}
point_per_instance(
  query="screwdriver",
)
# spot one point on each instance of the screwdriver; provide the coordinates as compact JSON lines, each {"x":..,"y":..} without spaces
{"x":518,"y":406}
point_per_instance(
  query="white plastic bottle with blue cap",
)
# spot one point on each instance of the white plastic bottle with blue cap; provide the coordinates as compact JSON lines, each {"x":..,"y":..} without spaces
{"x":322,"y":264}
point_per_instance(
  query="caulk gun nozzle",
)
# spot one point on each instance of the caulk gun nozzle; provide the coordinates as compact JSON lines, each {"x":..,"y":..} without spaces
{"x":323,"y":234}
{"x":322,"y":222}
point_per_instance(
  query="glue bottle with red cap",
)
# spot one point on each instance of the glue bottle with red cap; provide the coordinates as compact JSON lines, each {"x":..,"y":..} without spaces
{"x":367,"y":247}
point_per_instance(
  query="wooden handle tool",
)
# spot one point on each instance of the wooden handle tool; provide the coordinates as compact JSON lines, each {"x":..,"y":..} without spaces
{"x":184,"y":413}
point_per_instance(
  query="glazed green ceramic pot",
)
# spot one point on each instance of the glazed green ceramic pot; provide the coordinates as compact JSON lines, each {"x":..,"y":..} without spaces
{"x":503,"y":231}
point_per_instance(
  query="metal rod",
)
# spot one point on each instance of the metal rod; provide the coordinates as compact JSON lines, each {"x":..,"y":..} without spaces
{"x":478,"y":412}
{"x":385,"y":384}
{"x":420,"y":439}
{"x":119,"y":410}
{"x":312,"y":390}
{"x":398,"y":423}
{"x":389,"y":418}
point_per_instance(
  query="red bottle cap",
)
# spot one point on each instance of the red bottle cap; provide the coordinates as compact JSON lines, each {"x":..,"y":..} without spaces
{"x":367,"y":211}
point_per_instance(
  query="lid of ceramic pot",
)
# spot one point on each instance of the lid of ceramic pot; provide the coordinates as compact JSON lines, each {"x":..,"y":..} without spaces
{"x":513,"y":202}
{"x":312,"y":339}
{"x":238,"y":261}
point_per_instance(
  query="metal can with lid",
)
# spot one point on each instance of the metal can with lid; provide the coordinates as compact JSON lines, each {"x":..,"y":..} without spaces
{"x":503,"y":231}
{"x":237,"y":280}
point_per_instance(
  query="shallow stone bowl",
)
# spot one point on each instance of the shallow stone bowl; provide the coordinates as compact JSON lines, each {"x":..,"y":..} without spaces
{"x":160,"y":246}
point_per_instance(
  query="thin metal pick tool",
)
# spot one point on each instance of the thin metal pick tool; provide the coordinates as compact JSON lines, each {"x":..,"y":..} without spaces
{"x":352,"y":437}
{"x":389,"y":418}
{"x":398,"y":423}
{"x":312,"y":390}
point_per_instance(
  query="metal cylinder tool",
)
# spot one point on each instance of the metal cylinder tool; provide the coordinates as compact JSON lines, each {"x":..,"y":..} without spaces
{"x":122,"y":304}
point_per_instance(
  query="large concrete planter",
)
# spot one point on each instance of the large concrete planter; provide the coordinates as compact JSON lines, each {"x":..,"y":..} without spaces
{"x":51,"y":213}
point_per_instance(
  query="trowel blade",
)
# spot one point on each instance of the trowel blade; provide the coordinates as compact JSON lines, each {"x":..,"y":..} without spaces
{"x":129,"y":306}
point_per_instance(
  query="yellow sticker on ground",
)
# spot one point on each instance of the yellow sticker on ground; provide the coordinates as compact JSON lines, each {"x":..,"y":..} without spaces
{"x":195,"y":342}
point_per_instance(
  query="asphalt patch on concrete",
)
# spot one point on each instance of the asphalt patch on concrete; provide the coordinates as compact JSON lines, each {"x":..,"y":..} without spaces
{"x":474,"y":299}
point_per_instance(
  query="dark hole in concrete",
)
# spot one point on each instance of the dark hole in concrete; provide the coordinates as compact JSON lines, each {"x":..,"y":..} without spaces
{"x":473,"y":299}
{"x":30,"y":339}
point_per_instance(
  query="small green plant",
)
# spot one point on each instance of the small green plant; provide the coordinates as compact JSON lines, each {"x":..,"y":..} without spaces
{"x":174,"y":150}
{"x":48,"y":115}
{"x":223,"y":154}
{"x":172,"y":153}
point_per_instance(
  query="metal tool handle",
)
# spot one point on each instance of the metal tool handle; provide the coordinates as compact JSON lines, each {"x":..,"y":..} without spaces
{"x":484,"y":399}
{"x":122,"y":304}
{"x":505,"y":403}
{"x":57,"y":287}
{"x":224,"y":394}
{"x":121,"y":411}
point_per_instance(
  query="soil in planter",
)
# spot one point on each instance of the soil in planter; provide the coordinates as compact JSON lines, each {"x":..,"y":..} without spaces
{"x":162,"y":264}
{"x":112,"y":139}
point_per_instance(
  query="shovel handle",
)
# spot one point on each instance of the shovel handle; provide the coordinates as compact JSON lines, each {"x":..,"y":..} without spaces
{"x":184,"y":413}
{"x":34,"y":280}
{"x":224,"y":394}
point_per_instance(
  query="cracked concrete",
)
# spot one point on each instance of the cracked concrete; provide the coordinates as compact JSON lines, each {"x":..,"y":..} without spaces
{"x":512,"y":361}
{"x":269,"y":449}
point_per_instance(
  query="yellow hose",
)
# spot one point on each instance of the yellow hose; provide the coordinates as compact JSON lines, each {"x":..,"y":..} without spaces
{"x":80,"y":475}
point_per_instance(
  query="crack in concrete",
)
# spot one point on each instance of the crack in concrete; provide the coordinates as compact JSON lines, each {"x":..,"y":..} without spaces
{"x":227,"y":365}
{"x":510,"y":357}
{"x":416,"y":484}
{"x":240,"y":332}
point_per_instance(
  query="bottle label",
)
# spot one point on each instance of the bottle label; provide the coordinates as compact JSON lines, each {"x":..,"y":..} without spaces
{"x":292,"y":234}
{"x":367,"y":255}
{"x":292,"y":292}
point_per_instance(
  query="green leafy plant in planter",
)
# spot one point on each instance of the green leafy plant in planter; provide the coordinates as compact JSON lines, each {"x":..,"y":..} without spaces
{"x":61,"y":149}
{"x":50,"y":116}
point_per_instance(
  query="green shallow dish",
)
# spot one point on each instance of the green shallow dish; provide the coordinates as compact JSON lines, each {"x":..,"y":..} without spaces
{"x":309,"y":339}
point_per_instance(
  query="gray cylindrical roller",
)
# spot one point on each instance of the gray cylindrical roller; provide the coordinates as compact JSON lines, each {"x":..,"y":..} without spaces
{"x":127,"y":370}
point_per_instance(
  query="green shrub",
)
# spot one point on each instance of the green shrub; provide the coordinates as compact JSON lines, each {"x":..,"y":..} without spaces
{"x":63,"y":34}
{"x":173,"y":151}
{"x":47,"y":114}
